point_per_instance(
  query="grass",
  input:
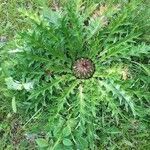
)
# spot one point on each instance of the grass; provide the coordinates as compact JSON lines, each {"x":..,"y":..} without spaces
{"x":11,"y":23}
{"x":25,"y":121}
{"x":11,"y":20}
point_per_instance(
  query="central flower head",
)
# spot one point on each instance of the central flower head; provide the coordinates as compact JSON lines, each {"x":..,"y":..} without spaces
{"x":83,"y":68}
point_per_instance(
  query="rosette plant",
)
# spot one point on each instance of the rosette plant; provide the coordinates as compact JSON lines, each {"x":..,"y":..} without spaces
{"x":88,"y":64}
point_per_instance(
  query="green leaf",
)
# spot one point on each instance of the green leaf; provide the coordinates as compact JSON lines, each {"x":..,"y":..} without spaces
{"x":67,"y":142}
{"x":66,"y":131}
{"x":113,"y":130}
{"x":41,"y":142}
{"x":120,"y":93}
{"x":14,"y":108}
{"x":12,"y":84}
{"x":48,"y":86}
{"x":128,"y":143}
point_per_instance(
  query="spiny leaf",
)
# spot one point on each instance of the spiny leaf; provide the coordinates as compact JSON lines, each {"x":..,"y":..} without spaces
{"x":48,"y":86}
{"x":120,"y":93}
{"x":66,"y":95}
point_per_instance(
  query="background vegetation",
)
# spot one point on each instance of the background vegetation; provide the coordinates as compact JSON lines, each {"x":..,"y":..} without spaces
{"x":27,"y":124}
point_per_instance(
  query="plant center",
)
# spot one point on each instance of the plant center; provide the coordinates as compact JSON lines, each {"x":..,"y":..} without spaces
{"x":83,"y":68}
